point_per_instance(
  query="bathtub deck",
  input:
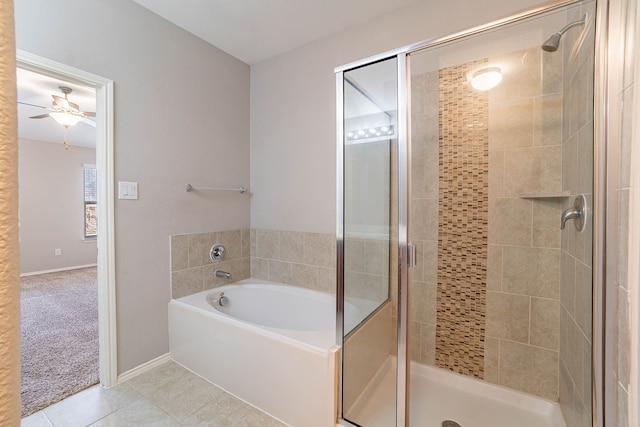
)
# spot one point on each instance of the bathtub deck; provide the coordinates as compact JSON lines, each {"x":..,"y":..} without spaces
{"x":437,"y":396}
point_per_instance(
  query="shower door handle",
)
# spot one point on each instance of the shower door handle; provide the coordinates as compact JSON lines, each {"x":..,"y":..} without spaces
{"x":411,"y":255}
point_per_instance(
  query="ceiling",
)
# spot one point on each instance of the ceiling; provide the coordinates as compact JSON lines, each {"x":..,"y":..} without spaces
{"x":250,"y":30}
{"x":256,"y":30}
{"x":34,"y":88}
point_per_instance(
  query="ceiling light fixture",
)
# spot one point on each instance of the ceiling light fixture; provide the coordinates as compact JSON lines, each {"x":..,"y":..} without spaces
{"x":486,"y":79}
{"x":66,"y":119}
{"x":362,"y":135}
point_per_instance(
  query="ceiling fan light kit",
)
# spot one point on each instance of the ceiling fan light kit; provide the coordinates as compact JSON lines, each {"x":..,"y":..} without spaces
{"x":64,"y":112}
{"x":65,"y":119}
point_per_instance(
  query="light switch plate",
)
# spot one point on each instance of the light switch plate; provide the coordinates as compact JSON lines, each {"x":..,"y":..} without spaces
{"x":127,"y":190}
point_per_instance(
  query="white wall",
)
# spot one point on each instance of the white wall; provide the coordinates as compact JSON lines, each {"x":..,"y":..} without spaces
{"x":51,"y":188}
{"x":293,"y":171}
{"x":181,"y":115}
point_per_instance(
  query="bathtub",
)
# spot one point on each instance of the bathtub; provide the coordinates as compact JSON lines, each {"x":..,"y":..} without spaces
{"x":271,"y":345}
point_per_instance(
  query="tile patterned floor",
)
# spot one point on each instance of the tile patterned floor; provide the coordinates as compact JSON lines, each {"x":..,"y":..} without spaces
{"x":168,"y":395}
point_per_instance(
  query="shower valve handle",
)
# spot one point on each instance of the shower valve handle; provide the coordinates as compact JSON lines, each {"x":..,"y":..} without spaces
{"x":578,"y":213}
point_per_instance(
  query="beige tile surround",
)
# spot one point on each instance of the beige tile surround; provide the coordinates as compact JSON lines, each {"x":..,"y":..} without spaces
{"x":191,"y":269}
{"x":295,"y":258}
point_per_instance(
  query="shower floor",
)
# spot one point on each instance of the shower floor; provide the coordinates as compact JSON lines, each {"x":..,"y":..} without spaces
{"x":437,"y":395}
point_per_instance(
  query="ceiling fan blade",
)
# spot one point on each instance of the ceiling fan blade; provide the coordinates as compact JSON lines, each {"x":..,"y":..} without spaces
{"x":60,"y":101}
{"x":34,"y":105}
{"x":74,"y":107}
{"x":41,"y":116}
{"x":88,"y":122}
{"x":88,"y":114}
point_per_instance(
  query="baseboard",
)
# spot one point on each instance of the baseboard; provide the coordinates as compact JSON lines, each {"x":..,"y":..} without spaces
{"x":56,"y":270}
{"x":126,"y":376}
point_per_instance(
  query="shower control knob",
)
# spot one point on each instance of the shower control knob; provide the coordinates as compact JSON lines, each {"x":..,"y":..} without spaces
{"x":216,"y":253}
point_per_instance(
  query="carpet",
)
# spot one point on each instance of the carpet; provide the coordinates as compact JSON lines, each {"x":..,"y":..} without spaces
{"x":59,"y":321}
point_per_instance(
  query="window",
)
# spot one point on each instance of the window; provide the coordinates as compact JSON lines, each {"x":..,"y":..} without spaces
{"x":90,"y":202}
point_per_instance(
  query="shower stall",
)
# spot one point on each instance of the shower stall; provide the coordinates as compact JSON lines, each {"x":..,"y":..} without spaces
{"x":468,"y":223}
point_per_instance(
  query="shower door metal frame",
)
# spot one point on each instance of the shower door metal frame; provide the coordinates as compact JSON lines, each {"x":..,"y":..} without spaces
{"x":600,"y":105}
{"x":404,"y":189}
{"x":402,"y":392}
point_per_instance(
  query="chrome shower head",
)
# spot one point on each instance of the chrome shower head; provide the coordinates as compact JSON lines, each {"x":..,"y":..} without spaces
{"x":552,"y":43}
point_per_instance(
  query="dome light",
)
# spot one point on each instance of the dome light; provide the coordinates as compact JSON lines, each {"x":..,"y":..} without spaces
{"x":486,"y":79}
{"x":65,"y":119}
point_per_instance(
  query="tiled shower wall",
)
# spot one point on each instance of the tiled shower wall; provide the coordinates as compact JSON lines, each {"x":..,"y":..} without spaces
{"x":576,"y":259}
{"x":525,"y":178}
{"x":296,"y":258}
{"x":623,"y":186}
{"x":523,"y":261}
{"x":424,"y":216}
{"x":462,"y":222}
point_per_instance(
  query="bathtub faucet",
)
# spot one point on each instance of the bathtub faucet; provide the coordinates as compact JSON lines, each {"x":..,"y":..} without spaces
{"x":222,"y":274}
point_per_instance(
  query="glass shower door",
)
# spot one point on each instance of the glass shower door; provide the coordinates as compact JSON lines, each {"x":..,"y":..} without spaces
{"x":369,"y":145}
{"x":453,"y":265}
{"x":501,"y":148}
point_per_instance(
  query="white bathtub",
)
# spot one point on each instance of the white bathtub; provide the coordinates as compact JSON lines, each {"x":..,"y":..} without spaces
{"x":271,"y":345}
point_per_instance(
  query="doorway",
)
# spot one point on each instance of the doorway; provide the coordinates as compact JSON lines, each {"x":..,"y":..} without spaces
{"x":104,"y":174}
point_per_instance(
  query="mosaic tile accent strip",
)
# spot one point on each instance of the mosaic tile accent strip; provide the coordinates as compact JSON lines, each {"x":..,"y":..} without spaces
{"x":462,"y":222}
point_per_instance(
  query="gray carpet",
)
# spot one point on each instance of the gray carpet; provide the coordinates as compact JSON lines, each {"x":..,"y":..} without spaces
{"x":59,"y":336}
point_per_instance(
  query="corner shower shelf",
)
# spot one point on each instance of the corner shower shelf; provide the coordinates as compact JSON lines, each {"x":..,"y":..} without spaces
{"x":550,"y":195}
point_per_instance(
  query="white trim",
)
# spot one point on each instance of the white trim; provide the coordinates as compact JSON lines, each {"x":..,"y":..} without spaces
{"x":56,"y":270}
{"x":141,"y":369}
{"x":104,"y":163}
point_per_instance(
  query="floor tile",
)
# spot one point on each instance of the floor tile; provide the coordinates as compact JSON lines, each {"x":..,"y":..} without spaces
{"x":157,"y":377}
{"x":257,"y":418}
{"x":139,"y":413}
{"x":86,"y":407}
{"x":167,"y":396}
{"x":227,"y":411}
{"x":39,"y":419}
{"x":184,"y":396}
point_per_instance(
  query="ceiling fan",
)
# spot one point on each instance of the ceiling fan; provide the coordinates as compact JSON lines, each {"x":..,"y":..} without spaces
{"x":64,"y":112}
{"x":61,"y":107}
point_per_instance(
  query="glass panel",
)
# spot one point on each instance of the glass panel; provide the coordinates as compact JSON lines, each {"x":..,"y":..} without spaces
{"x":500,"y":293}
{"x":370,"y":107}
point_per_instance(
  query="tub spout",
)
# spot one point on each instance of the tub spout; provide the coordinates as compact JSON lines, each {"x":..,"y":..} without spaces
{"x":222,"y":274}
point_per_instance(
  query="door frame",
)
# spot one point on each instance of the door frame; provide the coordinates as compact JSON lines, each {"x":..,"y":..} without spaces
{"x":105,"y":206}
